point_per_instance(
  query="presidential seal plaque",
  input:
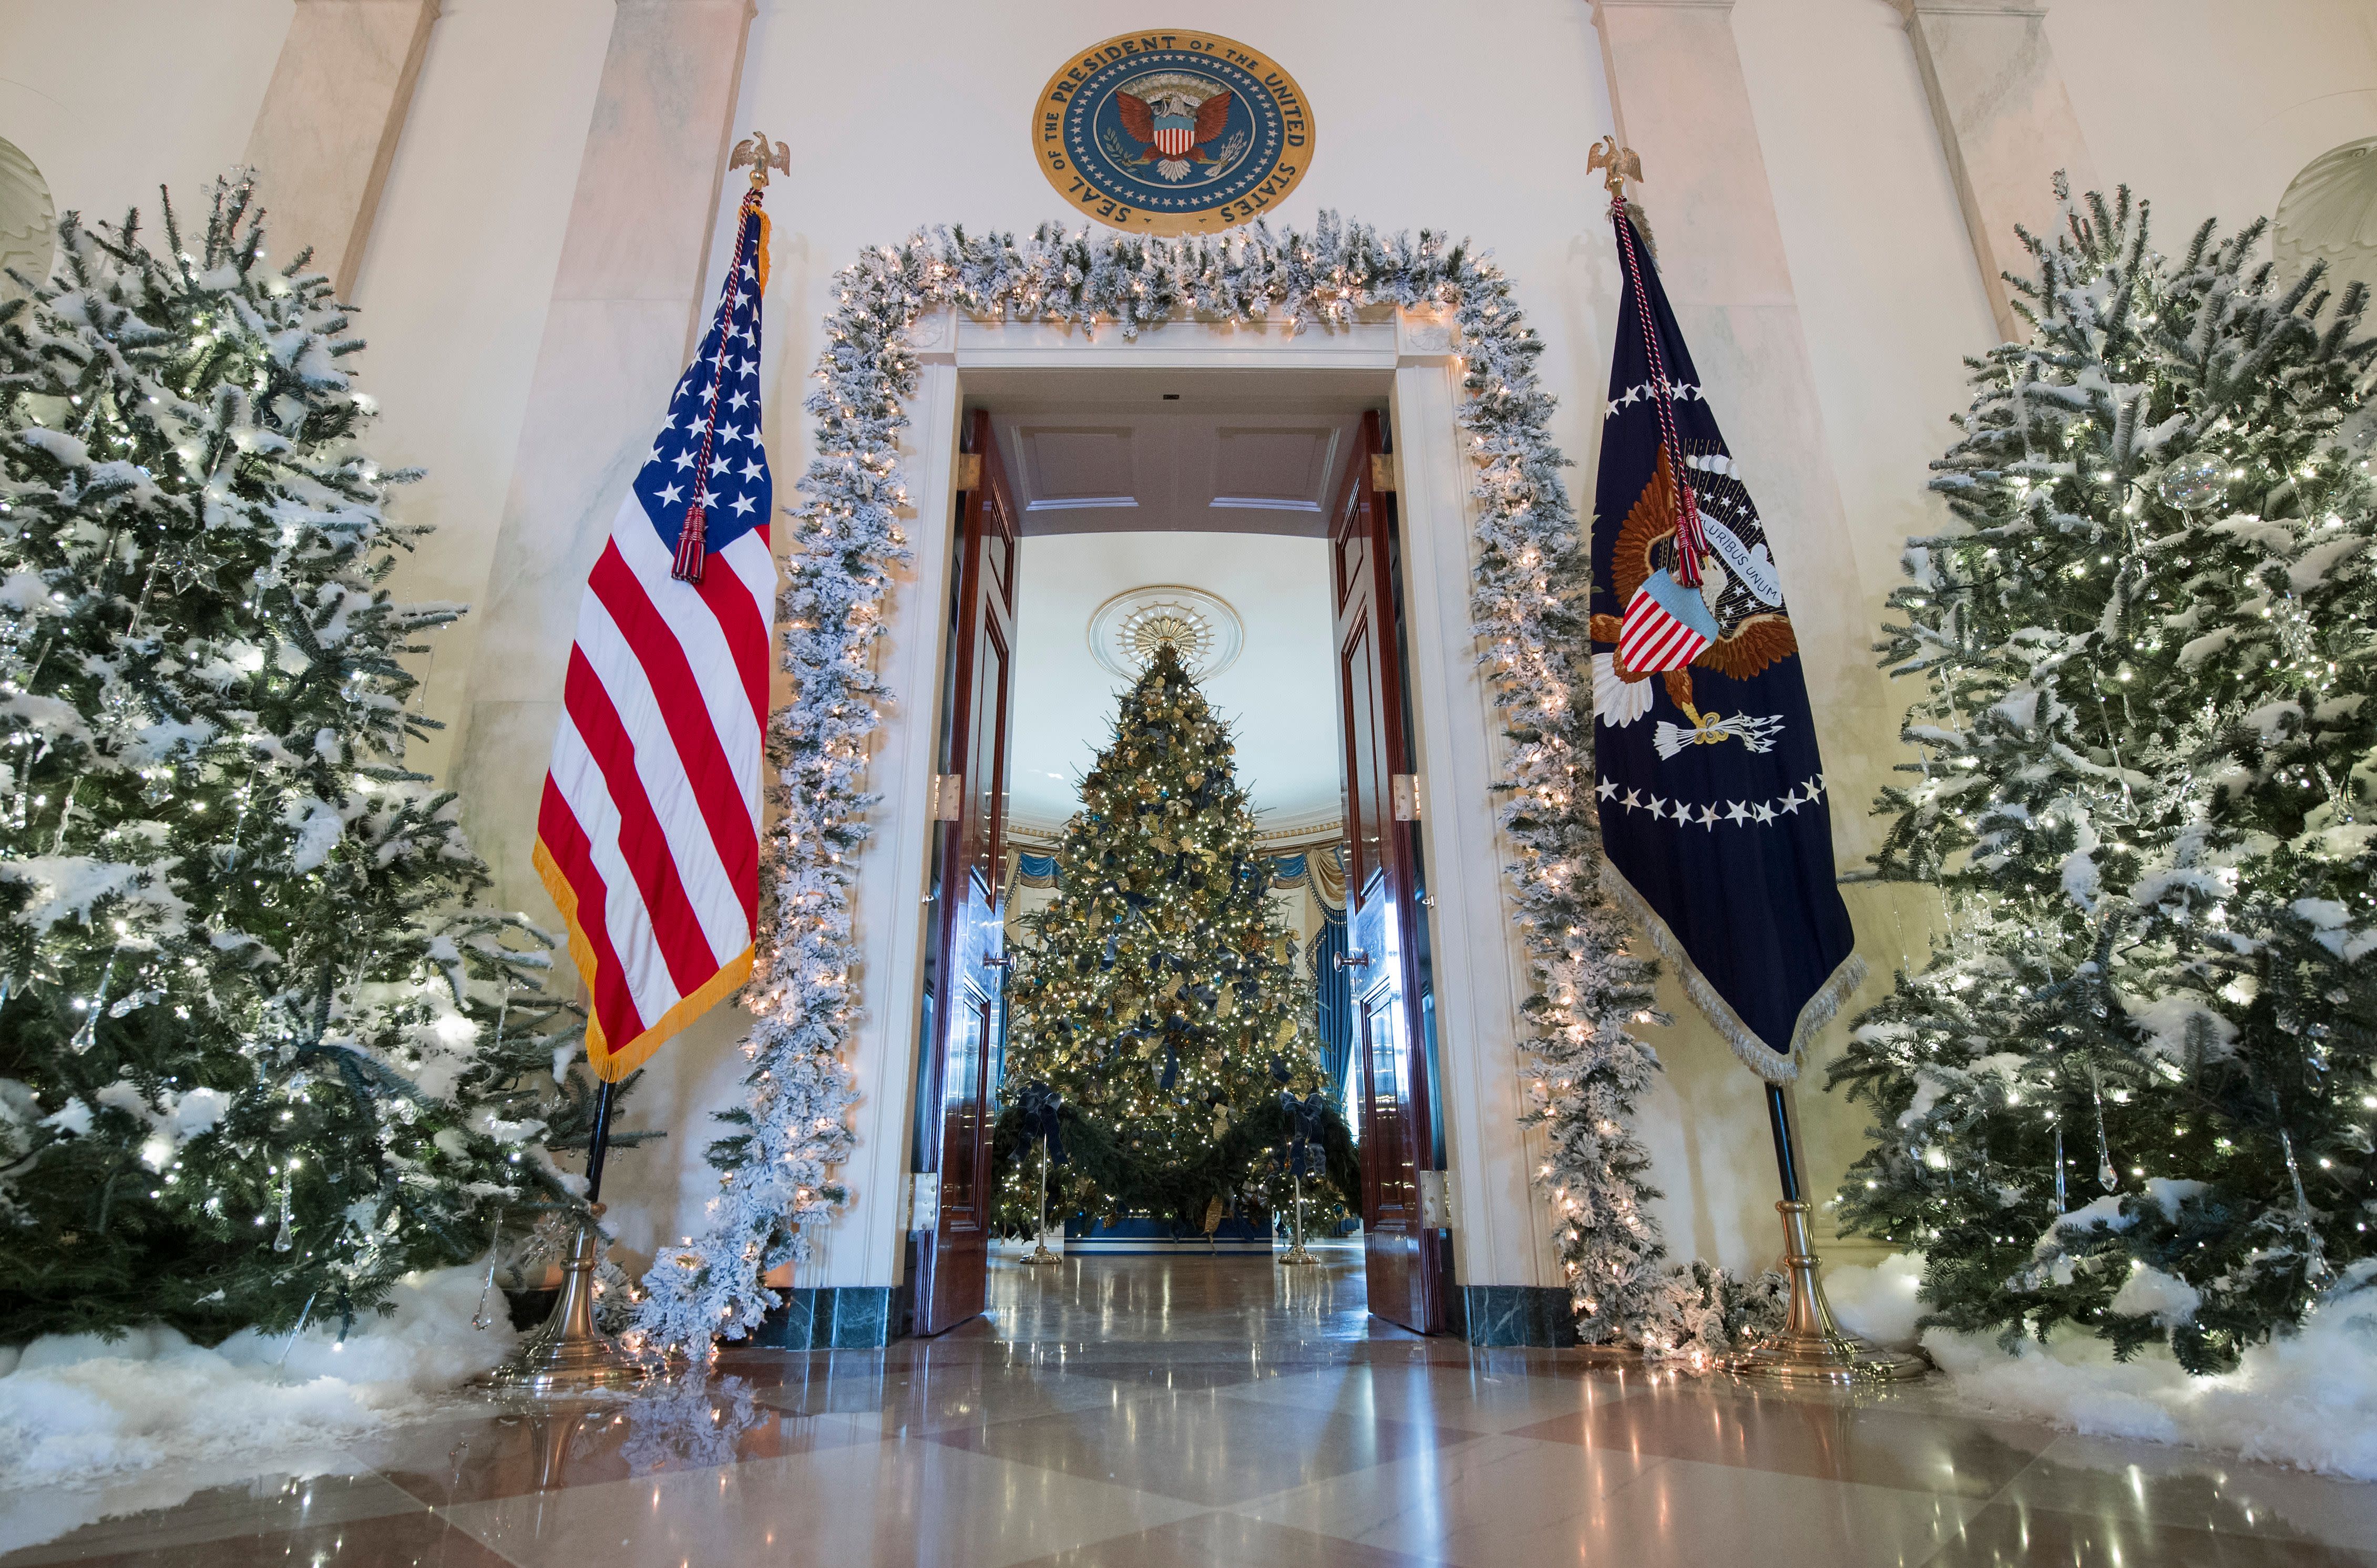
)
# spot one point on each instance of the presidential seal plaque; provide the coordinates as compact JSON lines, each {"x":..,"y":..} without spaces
{"x":1172,"y":133}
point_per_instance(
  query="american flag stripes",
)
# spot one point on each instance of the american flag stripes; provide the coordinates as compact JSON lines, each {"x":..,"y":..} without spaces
{"x":648,"y":834}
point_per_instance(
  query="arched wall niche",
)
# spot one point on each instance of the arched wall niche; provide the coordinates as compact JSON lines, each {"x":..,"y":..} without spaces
{"x":29,"y":221}
{"x":2329,"y":213}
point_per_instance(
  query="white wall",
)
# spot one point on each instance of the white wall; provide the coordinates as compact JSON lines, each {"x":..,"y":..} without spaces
{"x":454,"y":283}
{"x":1472,"y":119}
{"x":2209,"y":107}
{"x":112,"y":98}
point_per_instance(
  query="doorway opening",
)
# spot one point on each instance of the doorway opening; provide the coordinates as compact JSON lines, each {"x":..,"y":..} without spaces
{"x":1243,"y":523}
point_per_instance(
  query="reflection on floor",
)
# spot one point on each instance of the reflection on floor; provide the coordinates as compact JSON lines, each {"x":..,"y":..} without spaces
{"x":1152,"y":1412}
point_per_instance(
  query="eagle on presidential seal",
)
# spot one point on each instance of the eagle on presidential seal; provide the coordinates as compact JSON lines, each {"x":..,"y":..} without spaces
{"x":1733,"y":623}
{"x":1174,"y":115}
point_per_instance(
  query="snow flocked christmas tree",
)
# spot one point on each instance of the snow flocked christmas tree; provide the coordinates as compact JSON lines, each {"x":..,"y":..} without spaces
{"x":1160,"y":995}
{"x":2131,"y":1091}
{"x":257,"y":1060}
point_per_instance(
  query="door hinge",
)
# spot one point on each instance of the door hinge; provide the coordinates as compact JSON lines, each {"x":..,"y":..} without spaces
{"x":969,"y":471}
{"x":1406,"y":790}
{"x":924,"y":1201}
{"x":1382,"y":472}
{"x":949,"y":796}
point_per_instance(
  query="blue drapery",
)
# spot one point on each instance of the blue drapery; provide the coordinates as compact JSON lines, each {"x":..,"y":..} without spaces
{"x":1336,"y":990}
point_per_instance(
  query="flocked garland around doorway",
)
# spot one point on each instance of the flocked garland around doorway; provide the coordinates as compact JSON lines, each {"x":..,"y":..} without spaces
{"x":1584,"y":1069}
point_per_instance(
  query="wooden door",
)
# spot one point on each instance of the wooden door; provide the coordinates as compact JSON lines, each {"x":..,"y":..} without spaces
{"x":1382,"y":931}
{"x":965,"y":976}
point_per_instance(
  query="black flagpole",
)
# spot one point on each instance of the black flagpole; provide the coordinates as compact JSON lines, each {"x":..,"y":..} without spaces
{"x":598,"y":1143}
{"x":1779,"y":1113}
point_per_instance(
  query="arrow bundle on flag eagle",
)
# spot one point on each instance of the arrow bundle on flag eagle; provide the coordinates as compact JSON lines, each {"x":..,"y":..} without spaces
{"x":1711,"y":790}
{"x":648,"y":836}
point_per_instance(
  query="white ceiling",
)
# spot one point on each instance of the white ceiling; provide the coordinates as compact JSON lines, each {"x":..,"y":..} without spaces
{"x":1201,"y":452}
{"x":1278,"y":692}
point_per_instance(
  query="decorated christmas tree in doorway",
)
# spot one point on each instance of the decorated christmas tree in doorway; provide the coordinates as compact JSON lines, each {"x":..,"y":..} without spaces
{"x":1162,"y":997}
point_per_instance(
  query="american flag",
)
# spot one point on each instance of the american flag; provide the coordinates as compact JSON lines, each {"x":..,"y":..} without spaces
{"x":648,"y":835}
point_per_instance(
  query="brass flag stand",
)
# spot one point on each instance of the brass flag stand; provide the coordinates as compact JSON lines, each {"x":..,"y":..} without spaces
{"x":1297,"y":1254}
{"x":568,"y":1354}
{"x":1810,"y":1347}
{"x":1040,"y":1256}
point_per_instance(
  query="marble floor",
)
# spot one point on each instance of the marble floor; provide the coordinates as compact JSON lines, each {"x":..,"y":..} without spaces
{"x":1156,"y":1412}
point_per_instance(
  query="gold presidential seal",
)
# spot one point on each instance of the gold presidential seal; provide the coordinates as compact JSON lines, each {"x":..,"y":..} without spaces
{"x":1171,"y":132}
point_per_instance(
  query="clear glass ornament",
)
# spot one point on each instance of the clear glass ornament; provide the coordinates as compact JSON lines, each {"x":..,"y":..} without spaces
{"x":286,"y":1238}
{"x":2105,"y":1177}
{"x":2193,"y":482}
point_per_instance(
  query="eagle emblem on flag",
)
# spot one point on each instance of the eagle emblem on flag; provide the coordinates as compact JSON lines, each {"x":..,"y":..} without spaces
{"x":1733,"y":623}
{"x":1176,"y":115}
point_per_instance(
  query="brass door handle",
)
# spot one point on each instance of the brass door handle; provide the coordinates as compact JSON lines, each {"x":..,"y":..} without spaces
{"x":1354,"y":960}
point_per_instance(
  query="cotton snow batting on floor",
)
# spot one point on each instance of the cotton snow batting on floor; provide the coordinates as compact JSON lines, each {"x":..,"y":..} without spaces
{"x":2307,"y":1399}
{"x":76,"y":1407}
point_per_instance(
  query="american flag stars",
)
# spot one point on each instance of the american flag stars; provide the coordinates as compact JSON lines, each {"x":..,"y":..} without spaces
{"x":734,"y":487}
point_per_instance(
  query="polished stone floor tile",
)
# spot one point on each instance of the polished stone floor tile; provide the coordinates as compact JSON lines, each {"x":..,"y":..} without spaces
{"x":398,"y":1540}
{"x":2152,"y":1483}
{"x":1227,"y":1538}
{"x":914,"y":1401}
{"x":1509,"y":1499}
{"x":1474,"y":1496}
{"x":1843,"y":1441}
{"x":266,"y":1507}
{"x":1241,"y":1300}
{"x":577,"y":1446}
{"x":1231,"y":1416}
{"x":903,"y":1502}
{"x":1205,"y":1447}
{"x":2013,"y":1535}
{"x":1478,"y":1399}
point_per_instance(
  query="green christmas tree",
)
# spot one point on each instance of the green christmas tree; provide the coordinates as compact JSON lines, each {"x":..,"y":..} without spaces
{"x":1161,"y":995}
{"x":257,"y":1057}
{"x":2132,"y":1091}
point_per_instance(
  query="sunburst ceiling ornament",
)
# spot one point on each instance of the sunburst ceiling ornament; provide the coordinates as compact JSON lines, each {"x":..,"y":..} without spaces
{"x":1128,"y":629}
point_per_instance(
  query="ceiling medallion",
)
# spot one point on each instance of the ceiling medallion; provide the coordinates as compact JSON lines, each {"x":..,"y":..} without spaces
{"x":1129,"y":627}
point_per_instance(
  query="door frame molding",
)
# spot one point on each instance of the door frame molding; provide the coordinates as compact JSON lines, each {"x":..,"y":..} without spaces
{"x":1500,"y":1234}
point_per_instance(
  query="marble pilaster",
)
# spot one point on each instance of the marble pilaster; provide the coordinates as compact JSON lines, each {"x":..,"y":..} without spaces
{"x":625,"y":298}
{"x":2006,"y":123}
{"x":329,"y":125}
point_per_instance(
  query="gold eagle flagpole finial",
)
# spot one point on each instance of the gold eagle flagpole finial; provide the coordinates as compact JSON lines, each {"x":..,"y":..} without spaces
{"x":762,"y":155}
{"x":1621,"y":162}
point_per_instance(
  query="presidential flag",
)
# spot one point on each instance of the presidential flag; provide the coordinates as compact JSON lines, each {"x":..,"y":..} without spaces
{"x":648,"y":835}
{"x":1713,"y":798}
